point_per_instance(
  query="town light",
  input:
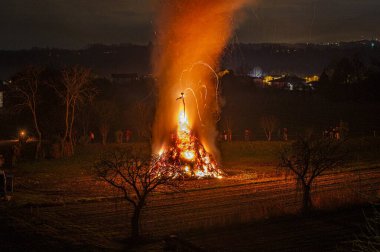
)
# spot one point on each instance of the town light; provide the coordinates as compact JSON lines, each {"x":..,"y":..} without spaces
{"x":22,"y":136}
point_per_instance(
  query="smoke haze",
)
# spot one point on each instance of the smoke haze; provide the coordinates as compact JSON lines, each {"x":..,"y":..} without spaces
{"x":187,"y":32}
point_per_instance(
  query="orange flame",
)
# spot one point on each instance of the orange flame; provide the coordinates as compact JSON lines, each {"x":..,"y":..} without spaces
{"x":184,"y":141}
{"x":188,"y":154}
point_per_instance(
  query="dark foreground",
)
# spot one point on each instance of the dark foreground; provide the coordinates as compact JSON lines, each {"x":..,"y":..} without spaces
{"x":60,"y":206}
{"x":250,"y":214}
{"x":319,"y":231}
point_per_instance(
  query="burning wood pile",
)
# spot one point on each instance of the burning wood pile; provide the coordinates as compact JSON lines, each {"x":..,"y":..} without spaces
{"x":188,"y":154}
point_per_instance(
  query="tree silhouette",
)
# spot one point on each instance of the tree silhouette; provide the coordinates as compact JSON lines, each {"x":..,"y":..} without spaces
{"x":75,"y":89}
{"x":268,"y":123}
{"x":309,"y":157}
{"x":27,"y":87}
{"x":106,"y":113}
{"x":136,"y":177}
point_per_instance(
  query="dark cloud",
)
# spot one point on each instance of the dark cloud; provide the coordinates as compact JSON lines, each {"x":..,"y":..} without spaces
{"x":310,"y":21}
{"x":75,"y":23}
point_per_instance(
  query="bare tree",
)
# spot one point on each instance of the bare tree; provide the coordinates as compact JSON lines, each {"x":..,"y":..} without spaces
{"x":369,"y":239}
{"x":228,"y":125}
{"x":269,"y":124}
{"x":26,"y":86}
{"x":106,"y":112}
{"x":136,"y":177}
{"x":76,"y":89}
{"x":142,"y":120}
{"x":308,"y":158}
{"x":84,"y":116}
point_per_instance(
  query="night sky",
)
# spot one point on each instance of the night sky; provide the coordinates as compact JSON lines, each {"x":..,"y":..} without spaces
{"x":77,"y":23}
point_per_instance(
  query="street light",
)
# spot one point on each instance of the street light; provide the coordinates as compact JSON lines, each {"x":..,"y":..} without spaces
{"x":22,"y":136}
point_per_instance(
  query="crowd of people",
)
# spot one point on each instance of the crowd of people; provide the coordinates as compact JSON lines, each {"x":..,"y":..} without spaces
{"x":120,"y":136}
{"x":227,"y":136}
{"x":338,"y":132}
{"x":332,"y":132}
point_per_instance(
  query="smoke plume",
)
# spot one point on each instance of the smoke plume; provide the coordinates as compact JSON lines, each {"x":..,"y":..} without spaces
{"x":190,"y":37}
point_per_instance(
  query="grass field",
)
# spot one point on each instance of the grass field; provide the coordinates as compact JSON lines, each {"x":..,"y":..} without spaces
{"x":52,"y":181}
{"x":63,"y":200}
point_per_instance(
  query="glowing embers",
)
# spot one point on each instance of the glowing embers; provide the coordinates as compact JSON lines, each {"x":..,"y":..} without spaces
{"x":188,"y":154}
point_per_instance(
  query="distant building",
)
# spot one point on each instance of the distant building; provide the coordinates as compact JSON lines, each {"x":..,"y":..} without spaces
{"x":312,"y":81}
{"x":258,"y":81}
{"x":290,"y":82}
{"x":313,"y":78}
{"x":267,"y":80}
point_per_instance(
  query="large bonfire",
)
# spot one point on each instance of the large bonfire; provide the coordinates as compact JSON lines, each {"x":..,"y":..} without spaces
{"x":190,"y":38}
{"x":188,"y":154}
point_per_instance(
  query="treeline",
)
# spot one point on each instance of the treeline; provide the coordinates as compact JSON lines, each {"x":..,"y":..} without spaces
{"x":347,"y":94}
{"x":351,"y":79}
{"x":102,"y":59}
{"x":300,"y":59}
{"x":61,"y":106}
